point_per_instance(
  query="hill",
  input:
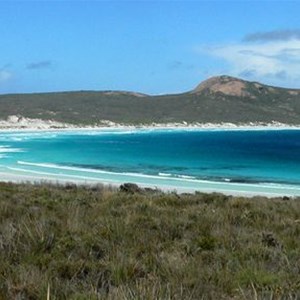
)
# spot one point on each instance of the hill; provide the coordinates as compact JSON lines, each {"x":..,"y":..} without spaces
{"x":216,"y":100}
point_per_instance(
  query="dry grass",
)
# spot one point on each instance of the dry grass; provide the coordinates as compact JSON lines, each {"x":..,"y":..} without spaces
{"x":99,"y":243}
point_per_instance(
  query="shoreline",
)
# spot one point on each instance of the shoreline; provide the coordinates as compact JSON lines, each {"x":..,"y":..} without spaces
{"x":20,"y":123}
{"x":24,"y":179}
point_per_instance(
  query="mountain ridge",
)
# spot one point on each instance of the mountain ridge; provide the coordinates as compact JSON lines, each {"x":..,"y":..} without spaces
{"x":218,"y":99}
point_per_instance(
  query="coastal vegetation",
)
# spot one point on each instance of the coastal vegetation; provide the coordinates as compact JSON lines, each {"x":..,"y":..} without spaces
{"x":79,"y":242}
{"x":216,"y":100}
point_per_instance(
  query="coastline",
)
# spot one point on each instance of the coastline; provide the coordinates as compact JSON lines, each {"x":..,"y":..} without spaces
{"x":22,"y":125}
{"x":19,"y":123}
{"x":24,"y":179}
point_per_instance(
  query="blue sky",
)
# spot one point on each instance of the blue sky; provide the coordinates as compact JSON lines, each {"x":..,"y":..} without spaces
{"x":152,"y":47}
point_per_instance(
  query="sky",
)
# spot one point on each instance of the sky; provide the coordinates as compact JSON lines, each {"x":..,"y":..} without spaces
{"x":153,"y":47}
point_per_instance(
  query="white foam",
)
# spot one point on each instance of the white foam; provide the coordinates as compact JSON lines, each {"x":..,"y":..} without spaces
{"x":24,"y":136}
{"x":54,"y":166}
{"x":106,"y":132}
{"x":164,"y":174}
{"x":139,"y":175}
{"x":89,"y":170}
{"x":57,"y":175}
{"x":185,"y":176}
{"x":7,"y":149}
{"x":176,"y":175}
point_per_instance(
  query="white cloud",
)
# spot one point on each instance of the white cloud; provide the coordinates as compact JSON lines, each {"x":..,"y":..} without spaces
{"x":5,"y":75}
{"x":274,"y":61}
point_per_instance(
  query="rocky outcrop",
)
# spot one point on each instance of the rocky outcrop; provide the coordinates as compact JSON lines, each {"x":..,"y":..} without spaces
{"x":223,"y":84}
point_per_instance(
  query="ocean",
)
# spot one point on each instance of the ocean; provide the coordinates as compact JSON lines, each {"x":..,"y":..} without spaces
{"x":232,"y":161}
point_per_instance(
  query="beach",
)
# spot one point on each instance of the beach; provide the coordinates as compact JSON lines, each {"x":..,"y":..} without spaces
{"x":225,"y":189}
{"x":22,"y":171}
{"x":19,"y":123}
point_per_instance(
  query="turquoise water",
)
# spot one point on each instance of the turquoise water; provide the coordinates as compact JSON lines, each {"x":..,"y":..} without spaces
{"x":259,"y":161}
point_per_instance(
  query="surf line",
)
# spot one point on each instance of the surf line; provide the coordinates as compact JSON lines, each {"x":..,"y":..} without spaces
{"x":160,"y":178}
{"x":59,"y":175}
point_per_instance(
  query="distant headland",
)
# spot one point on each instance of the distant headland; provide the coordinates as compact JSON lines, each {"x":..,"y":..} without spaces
{"x":217,"y":100}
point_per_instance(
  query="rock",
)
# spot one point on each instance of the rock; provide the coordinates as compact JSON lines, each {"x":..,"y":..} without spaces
{"x":13,"y":119}
{"x":130,"y":188}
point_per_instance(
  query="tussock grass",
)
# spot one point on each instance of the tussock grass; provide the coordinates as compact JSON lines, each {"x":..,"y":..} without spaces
{"x":76,"y":242}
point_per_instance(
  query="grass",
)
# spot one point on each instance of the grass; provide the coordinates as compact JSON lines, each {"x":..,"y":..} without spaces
{"x":100,"y":243}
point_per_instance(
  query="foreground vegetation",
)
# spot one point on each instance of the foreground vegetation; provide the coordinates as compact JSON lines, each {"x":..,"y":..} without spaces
{"x":99,"y":243}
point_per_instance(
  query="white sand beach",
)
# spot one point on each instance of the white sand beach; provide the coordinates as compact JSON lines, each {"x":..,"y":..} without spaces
{"x":17,"y":123}
{"x":224,"y":189}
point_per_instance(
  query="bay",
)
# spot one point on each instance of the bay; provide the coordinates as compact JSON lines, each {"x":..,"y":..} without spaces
{"x":250,"y":161}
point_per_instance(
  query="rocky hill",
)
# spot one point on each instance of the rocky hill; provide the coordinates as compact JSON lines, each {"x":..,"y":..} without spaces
{"x":232,"y":86}
{"x":216,"y":100}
